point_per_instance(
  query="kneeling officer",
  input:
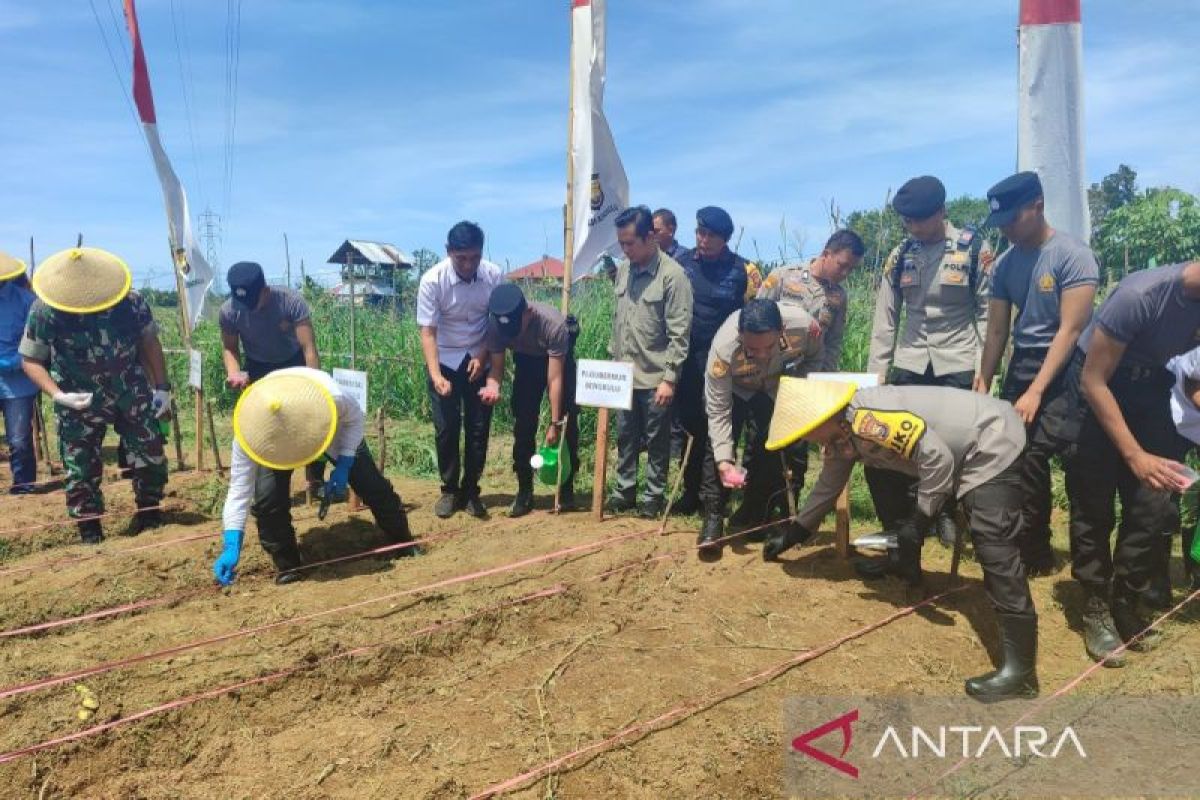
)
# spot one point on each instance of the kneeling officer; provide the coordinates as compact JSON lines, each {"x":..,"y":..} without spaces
{"x":288,"y":419}
{"x":955,"y":444}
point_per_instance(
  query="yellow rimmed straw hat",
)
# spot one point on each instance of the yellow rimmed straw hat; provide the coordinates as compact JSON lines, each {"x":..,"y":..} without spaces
{"x":10,"y":267}
{"x":801,"y":405}
{"x":82,"y":280}
{"x":285,"y":421}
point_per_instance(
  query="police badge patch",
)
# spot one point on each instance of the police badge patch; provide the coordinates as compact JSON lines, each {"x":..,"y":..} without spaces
{"x":898,"y":431}
{"x":1046,"y":283}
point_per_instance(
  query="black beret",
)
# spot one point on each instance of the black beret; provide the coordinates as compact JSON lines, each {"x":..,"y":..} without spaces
{"x":1009,"y":196}
{"x":920,"y":198}
{"x":716,"y":220}
{"x":506,"y":305}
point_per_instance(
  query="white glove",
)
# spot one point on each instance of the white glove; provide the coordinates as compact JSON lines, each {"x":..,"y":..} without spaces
{"x":161,"y":404}
{"x":76,"y":400}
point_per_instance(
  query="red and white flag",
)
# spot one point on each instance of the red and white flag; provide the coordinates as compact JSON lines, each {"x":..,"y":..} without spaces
{"x":196,"y":273}
{"x":1050,"y":109}
{"x":600,"y":189}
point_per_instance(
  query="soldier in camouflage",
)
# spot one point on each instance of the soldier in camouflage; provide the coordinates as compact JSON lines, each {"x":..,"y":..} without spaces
{"x":92,"y":345}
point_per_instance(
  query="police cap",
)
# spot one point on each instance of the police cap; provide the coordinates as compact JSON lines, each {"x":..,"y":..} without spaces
{"x":716,"y":220}
{"x":920,"y":198}
{"x":1009,"y":196}
{"x":506,"y":305}
{"x":246,"y":283}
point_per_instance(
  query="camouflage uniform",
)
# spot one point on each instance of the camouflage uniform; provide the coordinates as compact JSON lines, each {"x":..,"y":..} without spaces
{"x":98,"y":353}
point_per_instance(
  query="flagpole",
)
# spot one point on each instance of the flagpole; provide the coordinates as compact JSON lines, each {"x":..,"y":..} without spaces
{"x":185,"y":319}
{"x":569,"y":213}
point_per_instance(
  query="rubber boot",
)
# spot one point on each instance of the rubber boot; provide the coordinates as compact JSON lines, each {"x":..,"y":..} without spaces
{"x":1016,"y":676}
{"x":1129,"y":621}
{"x":90,"y":531}
{"x":1100,"y":637}
{"x":523,"y":503}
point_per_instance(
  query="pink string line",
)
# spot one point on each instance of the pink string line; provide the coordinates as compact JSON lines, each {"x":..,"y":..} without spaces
{"x":702,"y":703}
{"x":1066,"y":687}
{"x":72,"y":520}
{"x":109,"y":666}
{"x":274,"y":676}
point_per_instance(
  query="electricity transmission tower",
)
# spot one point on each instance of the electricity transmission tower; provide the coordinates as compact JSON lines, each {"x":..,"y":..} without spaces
{"x":210,"y":233}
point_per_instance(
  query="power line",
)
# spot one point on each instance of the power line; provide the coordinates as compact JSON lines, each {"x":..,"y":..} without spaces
{"x":117,"y":72}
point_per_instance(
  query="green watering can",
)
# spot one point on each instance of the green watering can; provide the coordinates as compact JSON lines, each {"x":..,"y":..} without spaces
{"x":545,"y":461}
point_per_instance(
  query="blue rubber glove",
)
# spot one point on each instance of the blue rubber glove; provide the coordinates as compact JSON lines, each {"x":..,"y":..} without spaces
{"x":336,"y":485}
{"x":225,"y":567}
{"x":10,"y":363}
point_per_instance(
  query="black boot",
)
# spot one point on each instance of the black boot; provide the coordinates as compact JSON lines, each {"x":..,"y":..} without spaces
{"x":1100,"y":637}
{"x":401,"y":535}
{"x":903,"y":561}
{"x":793,"y":533}
{"x":523,"y":503}
{"x":713,"y":528}
{"x":90,"y":531}
{"x":566,"y":498}
{"x":1017,"y":674}
{"x":287,"y":560}
{"x":1129,"y":621}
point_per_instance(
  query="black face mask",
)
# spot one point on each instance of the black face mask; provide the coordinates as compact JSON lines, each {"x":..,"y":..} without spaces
{"x":248,"y":296}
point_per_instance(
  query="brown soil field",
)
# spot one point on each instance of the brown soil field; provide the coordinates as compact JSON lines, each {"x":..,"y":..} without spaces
{"x":501,"y":686}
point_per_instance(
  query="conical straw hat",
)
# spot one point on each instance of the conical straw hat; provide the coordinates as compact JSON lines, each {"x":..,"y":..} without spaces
{"x":802,"y":405}
{"x":82,"y":280}
{"x":285,"y":421}
{"x":10,"y":267}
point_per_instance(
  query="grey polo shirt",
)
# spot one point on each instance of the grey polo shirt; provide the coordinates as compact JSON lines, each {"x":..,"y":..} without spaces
{"x":1150,"y":315}
{"x":1034,"y":279}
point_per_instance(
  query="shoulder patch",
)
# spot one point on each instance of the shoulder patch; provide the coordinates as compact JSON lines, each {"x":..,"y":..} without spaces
{"x":1046,"y":283}
{"x":719,"y":368}
{"x":898,"y":431}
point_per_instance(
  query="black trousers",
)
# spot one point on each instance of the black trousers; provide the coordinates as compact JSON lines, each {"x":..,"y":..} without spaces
{"x":692,"y":414}
{"x":1098,"y":475}
{"x":993,"y":513}
{"x":529,"y":384}
{"x":1043,"y":442}
{"x":460,"y":413}
{"x":272,"y":508}
{"x":764,"y":469}
{"x":887,"y":486}
{"x":314,"y":472}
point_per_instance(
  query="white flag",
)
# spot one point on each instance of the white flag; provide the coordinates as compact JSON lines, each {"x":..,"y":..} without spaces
{"x":600,"y":188}
{"x":196,"y":273}
{"x":1050,"y":112}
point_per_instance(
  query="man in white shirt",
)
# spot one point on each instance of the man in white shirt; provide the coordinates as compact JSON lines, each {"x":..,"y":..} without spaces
{"x":1185,"y":413}
{"x":452,"y":312}
{"x":288,"y":419}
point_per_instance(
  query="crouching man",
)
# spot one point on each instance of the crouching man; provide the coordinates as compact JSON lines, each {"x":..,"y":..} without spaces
{"x":288,"y":419}
{"x":954,"y":444}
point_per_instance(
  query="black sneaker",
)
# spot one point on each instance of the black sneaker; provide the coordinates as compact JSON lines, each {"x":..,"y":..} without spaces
{"x":284,"y":578}
{"x":446,"y":505}
{"x":475,"y":507}
{"x":566,"y":499}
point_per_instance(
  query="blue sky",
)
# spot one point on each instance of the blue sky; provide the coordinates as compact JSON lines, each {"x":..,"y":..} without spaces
{"x":392,"y":119}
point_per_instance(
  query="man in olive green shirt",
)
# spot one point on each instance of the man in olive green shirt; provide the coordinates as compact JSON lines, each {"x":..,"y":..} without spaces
{"x":651,"y":326}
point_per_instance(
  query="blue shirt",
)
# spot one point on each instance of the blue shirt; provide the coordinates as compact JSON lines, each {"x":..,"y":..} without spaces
{"x":14,"y":308}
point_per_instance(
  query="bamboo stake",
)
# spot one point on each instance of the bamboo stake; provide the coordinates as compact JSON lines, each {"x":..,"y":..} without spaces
{"x":179,"y":465}
{"x":687,"y":453}
{"x":212,"y":432}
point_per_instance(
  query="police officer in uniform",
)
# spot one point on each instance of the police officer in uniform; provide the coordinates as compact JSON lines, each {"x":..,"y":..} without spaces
{"x":1051,"y":277}
{"x":749,"y":353}
{"x":940,"y":277}
{"x":950,"y":443}
{"x":543,"y":364}
{"x":92,"y":345}
{"x":718,"y":279}
{"x":1128,"y":447}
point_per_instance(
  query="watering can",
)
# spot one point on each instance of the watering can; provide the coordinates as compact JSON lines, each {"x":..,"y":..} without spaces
{"x":545,"y":461}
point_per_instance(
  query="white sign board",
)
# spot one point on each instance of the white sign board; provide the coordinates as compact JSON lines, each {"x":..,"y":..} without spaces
{"x":195,"y":369}
{"x":353,"y":383}
{"x":604,"y":384}
{"x":863,"y":380}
